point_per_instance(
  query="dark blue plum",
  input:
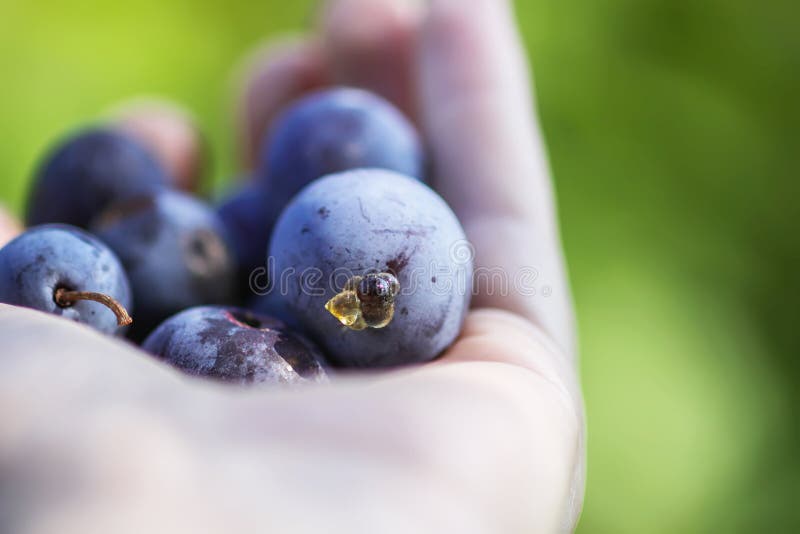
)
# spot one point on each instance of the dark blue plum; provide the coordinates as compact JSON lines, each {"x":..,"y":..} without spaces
{"x":236,"y":345}
{"x":44,"y":267}
{"x":87,"y":172}
{"x":274,"y":304}
{"x":176,"y":253}
{"x":335,"y":130}
{"x":345,"y":230}
{"x":245,"y":215}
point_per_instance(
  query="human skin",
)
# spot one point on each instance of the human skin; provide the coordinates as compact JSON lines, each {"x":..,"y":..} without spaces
{"x":171,"y":134}
{"x":489,"y":438}
{"x":10,"y":227}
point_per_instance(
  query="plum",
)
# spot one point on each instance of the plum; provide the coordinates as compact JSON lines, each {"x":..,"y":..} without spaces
{"x":370,"y":262}
{"x":334,"y":130}
{"x":87,"y":172}
{"x":176,"y":253}
{"x":65,"y":271}
{"x":245,"y":216}
{"x":272,"y":303}
{"x":236,"y":345}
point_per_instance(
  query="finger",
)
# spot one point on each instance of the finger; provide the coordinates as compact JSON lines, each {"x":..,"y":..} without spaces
{"x":370,"y":44}
{"x":86,"y":363}
{"x":498,"y":337}
{"x":473,"y":444}
{"x":491,"y":335}
{"x":90,"y":412}
{"x":489,"y":157}
{"x":171,"y":133}
{"x":272,"y":77}
{"x":10,"y":227}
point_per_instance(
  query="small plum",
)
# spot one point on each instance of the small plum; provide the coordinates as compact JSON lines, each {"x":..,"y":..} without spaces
{"x":334,"y":130}
{"x":236,"y":345}
{"x":176,"y":253}
{"x":245,"y":216}
{"x":87,"y":172}
{"x":65,"y":271}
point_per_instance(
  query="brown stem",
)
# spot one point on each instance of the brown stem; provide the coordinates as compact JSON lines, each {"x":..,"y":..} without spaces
{"x":66,"y":298}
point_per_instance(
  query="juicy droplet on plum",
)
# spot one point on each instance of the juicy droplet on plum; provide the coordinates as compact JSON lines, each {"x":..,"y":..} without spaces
{"x":366,"y":301}
{"x":359,"y":224}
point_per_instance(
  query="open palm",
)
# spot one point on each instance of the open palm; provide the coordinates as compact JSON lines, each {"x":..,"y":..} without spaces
{"x":96,"y":437}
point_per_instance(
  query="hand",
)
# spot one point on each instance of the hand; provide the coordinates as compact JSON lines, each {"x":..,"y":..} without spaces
{"x":97,"y":437}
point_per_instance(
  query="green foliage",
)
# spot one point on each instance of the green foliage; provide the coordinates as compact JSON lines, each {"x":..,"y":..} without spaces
{"x":673,"y":138}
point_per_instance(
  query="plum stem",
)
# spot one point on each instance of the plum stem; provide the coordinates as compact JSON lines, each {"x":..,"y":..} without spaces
{"x":66,"y":298}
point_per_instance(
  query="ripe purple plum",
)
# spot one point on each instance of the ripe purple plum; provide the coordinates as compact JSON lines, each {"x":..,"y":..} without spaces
{"x":236,"y":345}
{"x":65,"y":271}
{"x":373,"y":265}
{"x":87,"y":172}
{"x":245,"y":216}
{"x":176,"y":253}
{"x":334,"y":130}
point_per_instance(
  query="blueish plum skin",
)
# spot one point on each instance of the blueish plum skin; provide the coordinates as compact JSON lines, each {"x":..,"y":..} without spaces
{"x":52,"y":256}
{"x":236,"y":345}
{"x":87,"y":172}
{"x":365,"y":221}
{"x":335,"y":130}
{"x":272,"y":303}
{"x":245,"y":216}
{"x":175,"y":251}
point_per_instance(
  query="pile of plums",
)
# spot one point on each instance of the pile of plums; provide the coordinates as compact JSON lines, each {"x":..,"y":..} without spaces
{"x":335,"y":253}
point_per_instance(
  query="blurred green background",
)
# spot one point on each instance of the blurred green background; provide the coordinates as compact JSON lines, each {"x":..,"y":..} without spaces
{"x":673,"y":132}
